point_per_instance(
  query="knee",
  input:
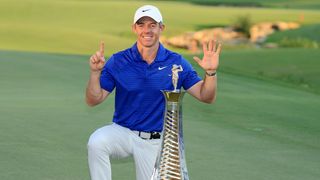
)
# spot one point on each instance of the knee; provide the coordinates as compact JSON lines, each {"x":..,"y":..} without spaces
{"x":101,"y":140}
{"x":95,"y":142}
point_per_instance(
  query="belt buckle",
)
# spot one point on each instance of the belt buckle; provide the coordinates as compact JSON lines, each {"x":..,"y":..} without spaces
{"x":155,"y":135}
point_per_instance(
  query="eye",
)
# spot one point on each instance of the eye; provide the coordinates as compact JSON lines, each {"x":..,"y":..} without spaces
{"x":153,"y":25}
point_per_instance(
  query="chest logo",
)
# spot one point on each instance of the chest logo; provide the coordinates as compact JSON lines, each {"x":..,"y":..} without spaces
{"x":161,"y":68}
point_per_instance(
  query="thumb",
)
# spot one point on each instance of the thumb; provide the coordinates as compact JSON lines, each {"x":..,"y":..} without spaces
{"x":198,"y":60}
{"x":102,"y":62}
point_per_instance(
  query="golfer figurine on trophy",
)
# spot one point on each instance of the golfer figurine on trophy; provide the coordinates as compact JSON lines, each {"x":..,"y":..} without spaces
{"x":171,"y":163}
{"x":175,"y":76}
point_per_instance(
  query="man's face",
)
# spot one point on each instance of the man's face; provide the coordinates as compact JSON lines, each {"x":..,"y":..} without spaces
{"x":148,"y":31}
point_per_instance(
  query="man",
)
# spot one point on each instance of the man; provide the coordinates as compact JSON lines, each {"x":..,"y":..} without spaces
{"x":138,"y":74}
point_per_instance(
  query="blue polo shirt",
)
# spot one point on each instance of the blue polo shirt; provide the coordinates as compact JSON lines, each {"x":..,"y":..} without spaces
{"x":139,"y":103}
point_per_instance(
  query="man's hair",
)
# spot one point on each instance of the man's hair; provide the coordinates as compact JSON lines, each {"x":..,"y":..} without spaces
{"x":139,"y":22}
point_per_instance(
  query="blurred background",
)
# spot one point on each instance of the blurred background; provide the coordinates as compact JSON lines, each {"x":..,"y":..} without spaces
{"x":264,"y":124}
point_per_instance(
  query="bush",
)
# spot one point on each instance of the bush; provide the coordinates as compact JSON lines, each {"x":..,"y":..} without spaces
{"x":243,"y":24}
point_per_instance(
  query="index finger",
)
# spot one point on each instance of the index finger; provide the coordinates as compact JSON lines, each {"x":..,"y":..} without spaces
{"x":102,"y":47}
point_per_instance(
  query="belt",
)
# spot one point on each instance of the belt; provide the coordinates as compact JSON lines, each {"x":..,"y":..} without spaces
{"x":148,"y":135}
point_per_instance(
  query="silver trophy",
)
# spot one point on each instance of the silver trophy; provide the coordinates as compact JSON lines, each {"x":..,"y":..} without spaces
{"x":171,"y":163}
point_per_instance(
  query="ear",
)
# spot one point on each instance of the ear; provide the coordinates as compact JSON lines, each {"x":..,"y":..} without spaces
{"x":133,"y":28}
{"x":162,"y":27}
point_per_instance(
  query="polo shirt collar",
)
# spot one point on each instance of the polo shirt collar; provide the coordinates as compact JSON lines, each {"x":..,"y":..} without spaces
{"x":161,"y":54}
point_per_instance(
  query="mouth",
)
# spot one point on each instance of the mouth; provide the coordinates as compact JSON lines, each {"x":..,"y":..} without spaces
{"x":147,"y":37}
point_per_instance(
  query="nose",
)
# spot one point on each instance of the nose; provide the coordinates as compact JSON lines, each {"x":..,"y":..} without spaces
{"x":146,"y":29}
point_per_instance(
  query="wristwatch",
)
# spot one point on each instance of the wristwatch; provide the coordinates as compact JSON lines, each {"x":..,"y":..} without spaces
{"x":212,"y":73}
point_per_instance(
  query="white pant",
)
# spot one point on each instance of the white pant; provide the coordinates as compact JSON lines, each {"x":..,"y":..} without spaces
{"x":116,"y":141}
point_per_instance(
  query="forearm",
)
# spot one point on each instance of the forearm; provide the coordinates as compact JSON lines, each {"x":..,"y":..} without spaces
{"x":208,"y":89}
{"x":94,"y":92}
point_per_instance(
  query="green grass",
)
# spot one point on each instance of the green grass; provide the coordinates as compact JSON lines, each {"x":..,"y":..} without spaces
{"x":296,"y":4}
{"x":255,"y":130}
{"x":77,"y":27}
{"x":298,"y":68}
{"x":308,"y":35}
{"x":264,"y":124}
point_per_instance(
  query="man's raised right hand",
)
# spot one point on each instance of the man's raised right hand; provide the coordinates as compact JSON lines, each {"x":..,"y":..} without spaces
{"x":97,"y":60}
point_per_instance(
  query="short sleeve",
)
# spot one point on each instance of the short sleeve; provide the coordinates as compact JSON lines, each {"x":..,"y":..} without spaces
{"x":107,"y":81}
{"x":191,"y":77}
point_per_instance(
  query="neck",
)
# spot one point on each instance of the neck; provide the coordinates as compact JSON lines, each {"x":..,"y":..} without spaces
{"x":148,"y":53}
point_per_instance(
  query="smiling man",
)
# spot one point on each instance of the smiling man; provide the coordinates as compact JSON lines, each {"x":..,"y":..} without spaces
{"x":138,"y":74}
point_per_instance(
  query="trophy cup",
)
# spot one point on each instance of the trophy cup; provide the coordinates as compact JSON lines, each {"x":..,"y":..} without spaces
{"x":171,"y":163}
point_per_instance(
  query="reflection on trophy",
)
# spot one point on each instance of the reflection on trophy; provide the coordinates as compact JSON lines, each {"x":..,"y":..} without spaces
{"x":171,"y":163}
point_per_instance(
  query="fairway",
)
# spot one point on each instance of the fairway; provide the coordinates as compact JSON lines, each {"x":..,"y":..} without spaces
{"x":255,"y":130}
{"x":264,"y":125}
{"x":298,"y":68}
